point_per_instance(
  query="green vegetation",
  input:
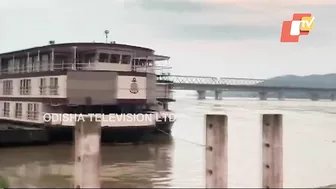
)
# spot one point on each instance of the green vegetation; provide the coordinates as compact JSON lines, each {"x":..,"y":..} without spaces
{"x":3,"y":183}
{"x":321,"y":81}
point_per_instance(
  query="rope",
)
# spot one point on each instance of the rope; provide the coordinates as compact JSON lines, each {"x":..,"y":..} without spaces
{"x":202,"y":145}
{"x":181,"y":139}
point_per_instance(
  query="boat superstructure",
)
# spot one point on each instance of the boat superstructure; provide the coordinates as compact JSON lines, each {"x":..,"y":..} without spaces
{"x":83,"y":78}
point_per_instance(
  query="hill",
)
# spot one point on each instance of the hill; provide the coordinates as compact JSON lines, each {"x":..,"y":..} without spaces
{"x":321,"y":81}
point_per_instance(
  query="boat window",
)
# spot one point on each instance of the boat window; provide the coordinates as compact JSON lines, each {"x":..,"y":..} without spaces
{"x":7,"y":88}
{"x":60,"y":59}
{"x":18,"y":110}
{"x":35,"y":111}
{"x":6,"y":109}
{"x":34,"y":63}
{"x":53,"y":86}
{"x":115,"y":58}
{"x":135,"y":62}
{"x":103,"y":57}
{"x":25,"y":86}
{"x":5,"y":65}
{"x":90,"y":57}
{"x":126,"y":59}
{"x":16,"y":66}
{"x":150,"y":63}
{"x":45,"y":58}
{"x":30,"y":111}
{"x":142,"y":62}
{"x":43,"y":86}
{"x":22,"y":64}
{"x":34,"y":58}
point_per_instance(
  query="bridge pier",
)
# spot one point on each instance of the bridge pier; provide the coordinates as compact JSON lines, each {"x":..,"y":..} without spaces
{"x":314,"y":97}
{"x":332,"y":97}
{"x":201,"y":94}
{"x":263,"y":95}
{"x":218,"y":95}
{"x":281,"y":95}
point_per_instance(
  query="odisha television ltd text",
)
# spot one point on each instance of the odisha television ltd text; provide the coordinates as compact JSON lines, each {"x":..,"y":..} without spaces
{"x":49,"y":117}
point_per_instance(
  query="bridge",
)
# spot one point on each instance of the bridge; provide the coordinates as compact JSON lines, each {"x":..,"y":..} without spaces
{"x":218,"y":85}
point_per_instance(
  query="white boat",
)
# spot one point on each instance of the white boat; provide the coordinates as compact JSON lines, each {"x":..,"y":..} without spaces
{"x":85,"y":78}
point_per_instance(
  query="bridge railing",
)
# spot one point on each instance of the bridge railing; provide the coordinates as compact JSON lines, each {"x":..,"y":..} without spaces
{"x":240,"y":81}
{"x":179,"y":79}
{"x":184,"y":81}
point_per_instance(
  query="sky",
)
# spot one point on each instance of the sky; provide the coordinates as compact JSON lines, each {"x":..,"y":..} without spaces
{"x":220,"y":38}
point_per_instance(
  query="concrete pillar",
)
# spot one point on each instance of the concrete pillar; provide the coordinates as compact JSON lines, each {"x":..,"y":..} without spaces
{"x":281,"y":95}
{"x":263,"y":95}
{"x":272,"y":151}
{"x":216,"y":156}
{"x":201,"y":94}
{"x":218,"y":95}
{"x":332,"y":97}
{"x":87,"y":153}
{"x":314,"y":97}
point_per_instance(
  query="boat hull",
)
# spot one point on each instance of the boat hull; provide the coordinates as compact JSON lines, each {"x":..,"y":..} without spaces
{"x":19,"y":135}
{"x":108,"y":134}
{"x":52,"y":134}
{"x":115,"y":134}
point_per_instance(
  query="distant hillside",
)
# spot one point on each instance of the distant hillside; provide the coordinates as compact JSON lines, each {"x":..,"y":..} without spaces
{"x":321,"y":81}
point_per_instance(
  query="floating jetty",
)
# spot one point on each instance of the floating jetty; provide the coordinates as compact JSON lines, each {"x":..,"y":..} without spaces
{"x":20,"y":135}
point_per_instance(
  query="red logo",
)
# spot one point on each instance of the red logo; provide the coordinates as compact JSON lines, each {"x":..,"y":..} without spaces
{"x":301,"y":24}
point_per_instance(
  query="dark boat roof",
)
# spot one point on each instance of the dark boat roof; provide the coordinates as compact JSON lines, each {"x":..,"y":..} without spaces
{"x":78,"y":44}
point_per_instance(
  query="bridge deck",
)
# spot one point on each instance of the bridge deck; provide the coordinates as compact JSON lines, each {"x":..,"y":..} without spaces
{"x":211,"y":83}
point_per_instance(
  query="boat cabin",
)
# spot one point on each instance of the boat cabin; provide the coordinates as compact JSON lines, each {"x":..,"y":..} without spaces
{"x":81,"y":56}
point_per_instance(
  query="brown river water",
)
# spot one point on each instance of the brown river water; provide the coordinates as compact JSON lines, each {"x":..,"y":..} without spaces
{"x":309,"y":150}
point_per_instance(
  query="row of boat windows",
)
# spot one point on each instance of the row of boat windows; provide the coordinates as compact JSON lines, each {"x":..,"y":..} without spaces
{"x":114,"y":58}
{"x":103,"y":57}
{"x":25,"y":86}
{"x":123,"y":59}
{"x":32,"y":111}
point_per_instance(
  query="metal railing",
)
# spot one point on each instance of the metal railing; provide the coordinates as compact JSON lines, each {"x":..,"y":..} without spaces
{"x":45,"y":66}
{"x":180,"y":79}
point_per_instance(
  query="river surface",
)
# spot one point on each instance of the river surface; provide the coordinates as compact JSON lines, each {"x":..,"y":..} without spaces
{"x":309,"y":150}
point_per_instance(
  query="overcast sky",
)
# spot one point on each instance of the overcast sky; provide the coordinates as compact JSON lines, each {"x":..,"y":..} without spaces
{"x":233,"y":38}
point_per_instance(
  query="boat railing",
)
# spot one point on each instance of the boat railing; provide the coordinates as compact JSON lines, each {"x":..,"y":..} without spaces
{"x":42,"y":67}
{"x":164,"y":78}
